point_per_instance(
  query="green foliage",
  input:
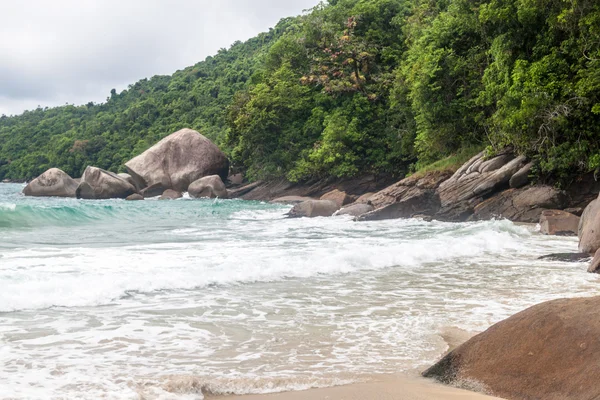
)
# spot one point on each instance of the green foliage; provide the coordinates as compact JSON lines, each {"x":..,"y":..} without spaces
{"x":355,"y":87}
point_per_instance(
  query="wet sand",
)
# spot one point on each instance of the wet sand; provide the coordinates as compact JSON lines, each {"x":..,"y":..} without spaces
{"x":386,"y":387}
{"x":390,"y":387}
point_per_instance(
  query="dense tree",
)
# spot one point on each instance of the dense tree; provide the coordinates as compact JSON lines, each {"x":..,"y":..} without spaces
{"x":354,"y":87}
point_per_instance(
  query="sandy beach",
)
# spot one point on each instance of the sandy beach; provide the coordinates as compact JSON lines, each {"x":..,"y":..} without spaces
{"x":389,"y":387}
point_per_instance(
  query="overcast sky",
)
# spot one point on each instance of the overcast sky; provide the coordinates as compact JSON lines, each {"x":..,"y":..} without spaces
{"x":75,"y":51}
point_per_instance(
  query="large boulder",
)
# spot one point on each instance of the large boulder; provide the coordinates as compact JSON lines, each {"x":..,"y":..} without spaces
{"x":474,"y":181}
{"x":589,"y":228}
{"x":178,"y":160}
{"x":548,"y":352}
{"x":556,"y":222}
{"x":208,"y":187}
{"x":520,"y":205}
{"x":52,"y":183}
{"x":337,"y":196}
{"x":97,"y":183}
{"x":314,"y":208}
{"x":135,"y":197}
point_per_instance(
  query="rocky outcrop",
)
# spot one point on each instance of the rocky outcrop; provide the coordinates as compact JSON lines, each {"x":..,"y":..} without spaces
{"x":474,"y":182}
{"x":99,"y":184}
{"x":354,"y":187}
{"x":339,"y":197}
{"x":415,"y":195}
{"x":314,"y":208}
{"x":52,"y":183}
{"x":135,"y":197}
{"x":522,"y":205}
{"x":560,"y":223}
{"x":589,"y":228}
{"x":355,"y":210}
{"x":521,"y":177}
{"x":547,"y":352}
{"x":178,"y":160}
{"x":208,"y":187}
{"x":170,"y":194}
{"x":416,"y":201}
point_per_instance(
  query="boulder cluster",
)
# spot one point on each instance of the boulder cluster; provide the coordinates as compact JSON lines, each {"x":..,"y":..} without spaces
{"x":483,"y":188}
{"x":184,"y":161}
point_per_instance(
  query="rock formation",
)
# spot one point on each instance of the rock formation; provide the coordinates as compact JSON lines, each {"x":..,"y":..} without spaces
{"x":548,"y":352}
{"x":99,"y":184}
{"x":178,"y":160}
{"x":208,"y":187}
{"x":556,"y":222}
{"x":314,"y":208}
{"x":52,"y":183}
{"x":415,"y":195}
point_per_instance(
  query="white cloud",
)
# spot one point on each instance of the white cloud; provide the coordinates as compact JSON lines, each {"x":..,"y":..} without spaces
{"x":75,"y":51}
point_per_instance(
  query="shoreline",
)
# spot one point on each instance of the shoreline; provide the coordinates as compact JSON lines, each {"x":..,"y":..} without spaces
{"x":383,"y":387}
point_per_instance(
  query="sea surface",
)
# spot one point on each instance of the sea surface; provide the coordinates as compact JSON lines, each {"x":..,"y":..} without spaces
{"x":180,"y":299}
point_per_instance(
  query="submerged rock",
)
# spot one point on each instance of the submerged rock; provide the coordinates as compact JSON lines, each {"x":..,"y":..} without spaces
{"x":560,"y":223}
{"x":548,"y":352}
{"x":314,"y":208}
{"x":208,"y":187}
{"x":178,"y":160}
{"x":97,"y":183}
{"x":135,"y":197}
{"x":52,"y":183}
{"x":566,"y":257}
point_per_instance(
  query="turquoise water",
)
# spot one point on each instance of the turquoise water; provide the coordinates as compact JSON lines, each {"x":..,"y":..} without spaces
{"x":167,"y":300}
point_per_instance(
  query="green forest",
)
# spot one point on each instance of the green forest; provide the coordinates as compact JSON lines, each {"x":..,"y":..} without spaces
{"x":355,"y":87}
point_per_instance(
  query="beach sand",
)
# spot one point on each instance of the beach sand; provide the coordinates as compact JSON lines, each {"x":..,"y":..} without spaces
{"x":389,"y":387}
{"x":408,"y":386}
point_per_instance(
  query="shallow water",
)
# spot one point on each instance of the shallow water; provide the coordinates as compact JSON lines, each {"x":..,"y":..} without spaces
{"x":170,"y":300}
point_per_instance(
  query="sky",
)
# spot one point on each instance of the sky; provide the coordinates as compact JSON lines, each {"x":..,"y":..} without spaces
{"x":76,"y":51}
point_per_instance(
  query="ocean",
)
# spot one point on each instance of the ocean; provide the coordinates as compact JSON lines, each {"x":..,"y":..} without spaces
{"x":180,"y":299}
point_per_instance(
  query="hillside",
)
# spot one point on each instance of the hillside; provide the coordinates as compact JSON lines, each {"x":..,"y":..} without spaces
{"x":353,"y":87}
